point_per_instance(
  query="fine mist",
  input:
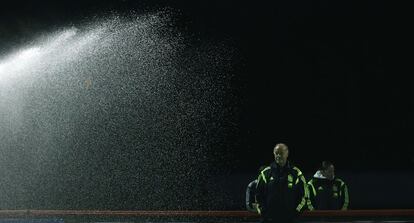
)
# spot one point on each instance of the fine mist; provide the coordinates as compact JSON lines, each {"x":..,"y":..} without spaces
{"x":120,"y":113}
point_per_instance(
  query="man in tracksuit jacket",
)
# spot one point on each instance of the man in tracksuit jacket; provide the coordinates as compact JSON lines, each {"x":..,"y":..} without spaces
{"x":281,"y":191}
{"x":326,"y":191}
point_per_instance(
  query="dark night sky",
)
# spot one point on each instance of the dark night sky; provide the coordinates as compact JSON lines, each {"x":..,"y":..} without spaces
{"x":323,"y":76}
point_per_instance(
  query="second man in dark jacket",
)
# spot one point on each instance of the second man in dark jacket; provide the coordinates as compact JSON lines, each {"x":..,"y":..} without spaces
{"x":326,"y":191}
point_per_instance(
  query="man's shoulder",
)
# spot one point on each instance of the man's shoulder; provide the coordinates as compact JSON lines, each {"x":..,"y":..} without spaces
{"x":252,"y":184}
{"x":265,"y":170}
{"x":265,"y":173}
{"x":297,"y":170}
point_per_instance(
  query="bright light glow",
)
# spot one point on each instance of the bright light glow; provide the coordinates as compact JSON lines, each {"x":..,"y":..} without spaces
{"x":21,"y":61}
{"x":18,"y":60}
{"x":28,"y":53}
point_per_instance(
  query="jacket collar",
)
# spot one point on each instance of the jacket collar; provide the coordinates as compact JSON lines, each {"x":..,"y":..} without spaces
{"x":319,"y":175}
{"x":277,"y":167}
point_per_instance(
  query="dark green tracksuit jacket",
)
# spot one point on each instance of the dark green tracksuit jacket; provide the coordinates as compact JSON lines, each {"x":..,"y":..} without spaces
{"x":281,"y":193}
{"x":325,"y":194}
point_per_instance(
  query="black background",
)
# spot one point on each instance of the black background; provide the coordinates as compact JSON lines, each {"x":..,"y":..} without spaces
{"x":329,"y":78}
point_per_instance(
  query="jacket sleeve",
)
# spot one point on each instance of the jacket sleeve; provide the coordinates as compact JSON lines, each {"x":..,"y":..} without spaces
{"x":302,"y":190}
{"x":249,"y":192}
{"x":344,"y":196}
{"x":260,"y":192}
{"x":312,"y":194}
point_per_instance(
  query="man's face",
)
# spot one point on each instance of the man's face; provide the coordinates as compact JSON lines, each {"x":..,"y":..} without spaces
{"x":330,"y":172}
{"x":281,"y":154}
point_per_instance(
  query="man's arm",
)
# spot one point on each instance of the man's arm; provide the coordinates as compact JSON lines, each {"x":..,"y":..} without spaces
{"x":303,"y":190}
{"x":260,"y":191}
{"x":312,"y":194}
{"x":344,"y":196}
{"x":249,"y":198}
